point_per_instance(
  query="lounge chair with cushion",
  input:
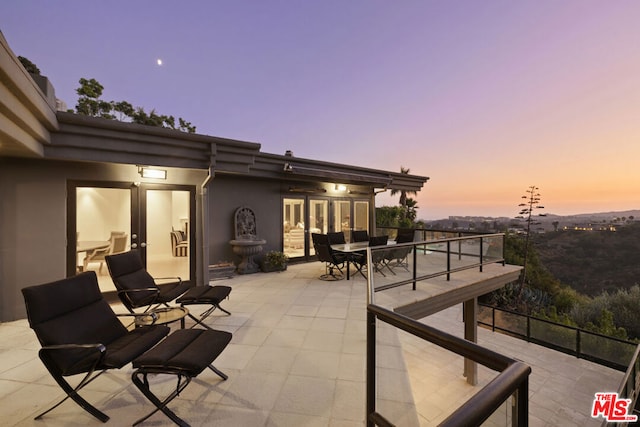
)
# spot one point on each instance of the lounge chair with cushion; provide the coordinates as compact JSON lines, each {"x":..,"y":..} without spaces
{"x":80,"y":334}
{"x":138,"y":289}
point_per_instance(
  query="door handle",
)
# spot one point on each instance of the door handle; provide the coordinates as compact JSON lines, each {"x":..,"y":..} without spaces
{"x":134,"y":245}
{"x":143,"y":245}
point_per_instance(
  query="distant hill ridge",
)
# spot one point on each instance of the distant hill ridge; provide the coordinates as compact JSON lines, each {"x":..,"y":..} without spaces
{"x":596,"y":216}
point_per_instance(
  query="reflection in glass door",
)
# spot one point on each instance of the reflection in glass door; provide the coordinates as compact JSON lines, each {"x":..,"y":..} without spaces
{"x":342,"y":217}
{"x":361,"y":215}
{"x":318,"y":219}
{"x":102,"y":226}
{"x":293,"y":217}
{"x":166,"y":235}
{"x":299,"y":223}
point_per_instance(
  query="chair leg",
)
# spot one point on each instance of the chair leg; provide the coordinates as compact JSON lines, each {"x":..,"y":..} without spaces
{"x":73,"y":394}
{"x":203,"y":316}
{"x":219,"y":372}
{"x":143,"y":386}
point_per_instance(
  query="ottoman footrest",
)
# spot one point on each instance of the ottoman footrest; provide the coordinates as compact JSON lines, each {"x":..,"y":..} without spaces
{"x":209,"y":295}
{"x":185,"y":353}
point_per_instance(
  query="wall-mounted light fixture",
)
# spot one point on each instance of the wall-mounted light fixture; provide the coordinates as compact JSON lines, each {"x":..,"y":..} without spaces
{"x":308,"y":190}
{"x":341,"y":187}
{"x":152,"y":173}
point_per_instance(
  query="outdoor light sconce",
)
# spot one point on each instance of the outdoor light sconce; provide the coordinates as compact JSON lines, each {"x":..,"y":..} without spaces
{"x":341,"y":187}
{"x":152,"y":173}
{"x":306,"y":190}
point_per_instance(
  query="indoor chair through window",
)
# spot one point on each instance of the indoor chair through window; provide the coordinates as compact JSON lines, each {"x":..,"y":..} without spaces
{"x":138,"y":289}
{"x":117,"y":243}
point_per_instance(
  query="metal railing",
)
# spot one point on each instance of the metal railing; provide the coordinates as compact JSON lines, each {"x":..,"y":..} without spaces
{"x":602,"y":349}
{"x":460,"y":253}
{"x":513,"y":379}
{"x":630,"y":387}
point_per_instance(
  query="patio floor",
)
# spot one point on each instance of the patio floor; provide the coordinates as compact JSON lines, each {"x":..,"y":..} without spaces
{"x":297,"y":358}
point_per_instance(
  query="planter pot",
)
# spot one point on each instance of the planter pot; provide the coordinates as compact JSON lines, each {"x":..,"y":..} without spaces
{"x":268,"y":267}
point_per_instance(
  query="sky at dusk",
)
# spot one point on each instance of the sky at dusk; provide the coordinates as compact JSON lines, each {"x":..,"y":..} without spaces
{"x":484,"y":97}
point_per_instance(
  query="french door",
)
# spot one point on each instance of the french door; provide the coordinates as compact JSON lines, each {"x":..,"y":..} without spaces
{"x":111,"y":217}
{"x":305,"y":215}
{"x":348,"y":215}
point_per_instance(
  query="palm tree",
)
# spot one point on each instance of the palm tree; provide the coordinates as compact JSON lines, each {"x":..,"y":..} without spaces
{"x":403,"y":193}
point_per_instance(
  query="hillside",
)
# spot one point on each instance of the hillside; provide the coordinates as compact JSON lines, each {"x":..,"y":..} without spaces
{"x":592,"y":262}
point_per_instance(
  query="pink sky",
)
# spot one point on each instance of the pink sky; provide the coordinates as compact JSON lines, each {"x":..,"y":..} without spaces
{"x":485,"y":98}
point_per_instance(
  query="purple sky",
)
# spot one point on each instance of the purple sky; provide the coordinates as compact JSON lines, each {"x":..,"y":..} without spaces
{"x":484,"y":97}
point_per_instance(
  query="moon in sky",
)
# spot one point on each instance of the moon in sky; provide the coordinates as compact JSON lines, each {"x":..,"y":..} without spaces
{"x":159,"y":61}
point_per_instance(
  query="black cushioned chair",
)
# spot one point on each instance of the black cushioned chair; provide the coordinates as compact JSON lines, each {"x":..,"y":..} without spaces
{"x":337,"y":238}
{"x":399,"y":257}
{"x":80,"y":333}
{"x":333,"y":260}
{"x":137,"y":288}
{"x":378,"y":256}
{"x":359,"y":236}
{"x":185,"y":353}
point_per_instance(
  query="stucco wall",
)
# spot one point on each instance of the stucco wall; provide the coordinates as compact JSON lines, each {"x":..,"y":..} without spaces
{"x":225,"y":196}
{"x":33,"y":220}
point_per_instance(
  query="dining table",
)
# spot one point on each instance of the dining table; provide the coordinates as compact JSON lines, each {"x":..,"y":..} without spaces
{"x":350,"y":249}
{"x":91,"y":245}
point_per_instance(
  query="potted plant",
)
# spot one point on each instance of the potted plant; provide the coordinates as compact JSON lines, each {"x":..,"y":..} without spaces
{"x":274,"y":261}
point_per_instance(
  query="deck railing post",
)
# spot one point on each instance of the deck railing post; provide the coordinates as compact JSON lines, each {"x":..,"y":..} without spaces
{"x":448,"y":260}
{"x":371,"y":368}
{"x":415,"y":266}
{"x":481,"y":253}
{"x":578,"y":349}
{"x":521,"y":405}
{"x":493,"y":319}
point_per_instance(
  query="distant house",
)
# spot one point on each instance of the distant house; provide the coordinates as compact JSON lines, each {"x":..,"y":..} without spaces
{"x":69,"y":184}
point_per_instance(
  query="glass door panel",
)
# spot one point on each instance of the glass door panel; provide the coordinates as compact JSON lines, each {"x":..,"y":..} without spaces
{"x":342,"y":217}
{"x":293,"y":217}
{"x":361,"y":215}
{"x":103,"y":226}
{"x":167,"y":236}
{"x":318,"y":220}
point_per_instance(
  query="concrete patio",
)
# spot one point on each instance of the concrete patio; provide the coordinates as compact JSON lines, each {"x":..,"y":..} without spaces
{"x":297,"y":358}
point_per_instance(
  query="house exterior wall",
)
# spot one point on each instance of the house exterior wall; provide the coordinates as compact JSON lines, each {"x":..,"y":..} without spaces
{"x":226,"y":194}
{"x":264,"y":197}
{"x":33,"y":219}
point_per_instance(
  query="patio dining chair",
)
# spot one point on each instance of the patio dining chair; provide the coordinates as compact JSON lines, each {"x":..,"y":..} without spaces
{"x":137,"y":289}
{"x":333,"y":260}
{"x":80,"y":334}
{"x":378,"y":256}
{"x":399,"y":257}
{"x":359,"y":236}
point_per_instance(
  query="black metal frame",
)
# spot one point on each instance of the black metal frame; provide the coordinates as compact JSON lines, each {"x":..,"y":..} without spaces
{"x":513,"y":377}
{"x":576,"y":351}
{"x":139,"y":378}
{"x":72,"y":392}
